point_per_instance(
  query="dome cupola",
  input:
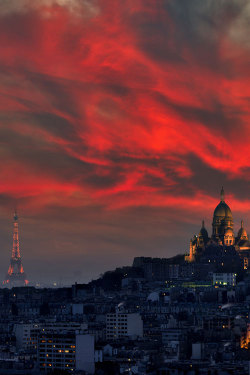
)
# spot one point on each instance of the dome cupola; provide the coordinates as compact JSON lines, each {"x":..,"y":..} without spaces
{"x":203,"y":236}
{"x":229,"y":237}
{"x":242,"y":234}
{"x":223,"y":210}
{"x":203,"y":232}
{"x":222,"y":219}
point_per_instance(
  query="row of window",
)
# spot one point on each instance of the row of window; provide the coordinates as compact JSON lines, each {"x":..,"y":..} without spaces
{"x":115,"y":320}
{"x":112,"y":336}
{"x":42,"y":350}
{"x":56,"y":360}
{"x":59,"y":345}
{"x":56,"y":354}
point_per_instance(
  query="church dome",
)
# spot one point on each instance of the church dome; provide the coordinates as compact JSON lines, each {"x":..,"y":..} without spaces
{"x":223,"y":210}
{"x":228,"y":231}
{"x":242,"y":232}
{"x":222,"y":219}
{"x":203,"y":232}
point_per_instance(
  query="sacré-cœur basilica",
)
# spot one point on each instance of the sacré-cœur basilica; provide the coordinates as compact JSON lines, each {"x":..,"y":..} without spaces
{"x":223,"y":243}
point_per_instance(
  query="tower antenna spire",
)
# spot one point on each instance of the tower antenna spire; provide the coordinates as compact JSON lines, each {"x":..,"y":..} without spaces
{"x":15,"y":215}
{"x":222,"y":195}
{"x":15,"y":275}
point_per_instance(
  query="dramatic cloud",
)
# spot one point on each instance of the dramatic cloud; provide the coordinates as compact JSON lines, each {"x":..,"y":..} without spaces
{"x":84,"y":8}
{"x":113,"y":107}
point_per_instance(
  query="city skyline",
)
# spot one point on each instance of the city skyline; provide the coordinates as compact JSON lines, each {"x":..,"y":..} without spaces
{"x":118,"y":126}
{"x":62,"y":281}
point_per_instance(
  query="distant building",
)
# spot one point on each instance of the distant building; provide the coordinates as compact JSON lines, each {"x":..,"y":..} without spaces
{"x":174,"y":342}
{"x":63,"y":326}
{"x":157,"y":268}
{"x":245,"y":338}
{"x":122,"y":324}
{"x":222,"y":236}
{"x":77,"y":308}
{"x":197,"y":350}
{"x":26,"y":335}
{"x":224,"y":279}
{"x":58,"y":350}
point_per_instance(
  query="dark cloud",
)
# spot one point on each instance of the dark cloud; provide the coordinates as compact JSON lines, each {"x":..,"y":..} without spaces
{"x":58,"y":92}
{"x":41,"y":155}
{"x":204,"y":178}
{"x":20,"y":29}
{"x":53,"y":124}
{"x":118,"y":126}
{"x":215,"y":115}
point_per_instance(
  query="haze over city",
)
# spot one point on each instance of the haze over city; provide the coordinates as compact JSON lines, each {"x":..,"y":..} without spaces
{"x":119,"y":123}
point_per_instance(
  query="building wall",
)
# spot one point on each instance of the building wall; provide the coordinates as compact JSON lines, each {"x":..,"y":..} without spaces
{"x":26,"y":335}
{"x":66,"y":351}
{"x":77,"y":308}
{"x":135,"y":325}
{"x":56,"y":351}
{"x":85,"y":353}
{"x":123,"y":324}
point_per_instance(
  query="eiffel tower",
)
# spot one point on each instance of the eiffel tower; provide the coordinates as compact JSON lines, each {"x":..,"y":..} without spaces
{"x":15,"y":275}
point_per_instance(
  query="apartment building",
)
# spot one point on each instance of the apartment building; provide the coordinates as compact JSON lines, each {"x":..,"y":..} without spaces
{"x":122,"y":324}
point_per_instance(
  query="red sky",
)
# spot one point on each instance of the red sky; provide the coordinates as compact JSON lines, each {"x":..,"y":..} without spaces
{"x":119,"y":123}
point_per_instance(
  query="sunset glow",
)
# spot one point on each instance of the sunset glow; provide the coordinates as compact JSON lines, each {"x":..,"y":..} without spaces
{"x":110,"y":106}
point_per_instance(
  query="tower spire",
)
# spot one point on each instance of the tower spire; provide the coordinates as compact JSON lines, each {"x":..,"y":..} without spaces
{"x":241,"y":224}
{"x":15,"y":247}
{"x":222,"y":195}
{"x":15,"y":275}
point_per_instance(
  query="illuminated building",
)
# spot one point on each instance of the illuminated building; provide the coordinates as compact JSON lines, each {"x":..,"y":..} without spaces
{"x":26,"y":335}
{"x":66,"y":351}
{"x":15,"y":275}
{"x":222,"y":235}
{"x":245,"y":338}
{"x":224,"y":279}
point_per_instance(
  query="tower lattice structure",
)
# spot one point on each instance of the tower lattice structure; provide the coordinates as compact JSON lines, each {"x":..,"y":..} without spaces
{"x":15,"y":275}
